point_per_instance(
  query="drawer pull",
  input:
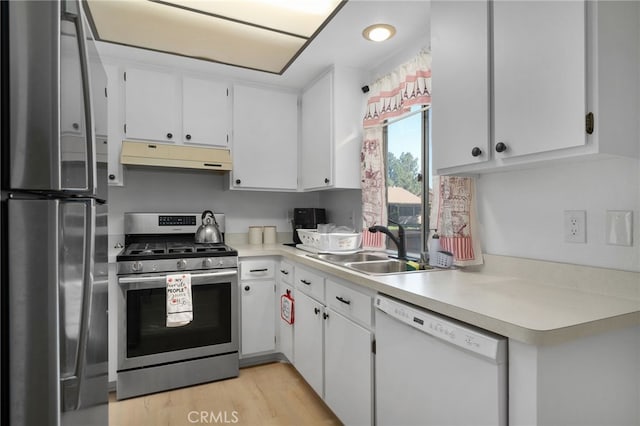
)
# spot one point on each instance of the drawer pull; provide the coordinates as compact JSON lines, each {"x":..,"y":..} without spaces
{"x":346,"y":302}
{"x":305,"y":282}
{"x":284,"y":272}
{"x":259,"y":270}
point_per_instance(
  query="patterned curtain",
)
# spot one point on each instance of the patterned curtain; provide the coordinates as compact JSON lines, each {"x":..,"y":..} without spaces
{"x":389,"y":97}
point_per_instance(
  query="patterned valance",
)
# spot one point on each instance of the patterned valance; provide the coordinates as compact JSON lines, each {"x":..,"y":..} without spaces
{"x":395,"y":93}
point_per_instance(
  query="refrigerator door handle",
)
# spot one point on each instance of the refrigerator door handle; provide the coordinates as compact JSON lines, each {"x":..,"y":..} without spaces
{"x":72,"y":385}
{"x":88,"y":111}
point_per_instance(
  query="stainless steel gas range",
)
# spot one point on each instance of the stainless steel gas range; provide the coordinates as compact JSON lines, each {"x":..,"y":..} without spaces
{"x":153,"y":357}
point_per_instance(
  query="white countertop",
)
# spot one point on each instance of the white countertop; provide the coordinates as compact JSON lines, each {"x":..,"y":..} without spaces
{"x":520,"y":308}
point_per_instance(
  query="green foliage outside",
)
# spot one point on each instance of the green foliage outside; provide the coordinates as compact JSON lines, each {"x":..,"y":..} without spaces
{"x":403,"y":172}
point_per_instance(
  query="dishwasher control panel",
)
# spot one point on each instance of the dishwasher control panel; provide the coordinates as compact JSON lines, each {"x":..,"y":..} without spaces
{"x":468,"y":337}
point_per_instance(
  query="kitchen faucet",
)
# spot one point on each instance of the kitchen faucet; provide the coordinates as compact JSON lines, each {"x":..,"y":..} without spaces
{"x":399,"y":241}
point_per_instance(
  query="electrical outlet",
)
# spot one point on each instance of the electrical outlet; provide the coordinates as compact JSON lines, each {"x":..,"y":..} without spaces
{"x":575,"y":226}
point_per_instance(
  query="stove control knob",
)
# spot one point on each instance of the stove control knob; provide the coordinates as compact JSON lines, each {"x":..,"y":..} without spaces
{"x":182,"y":264}
{"x":221,"y":262}
{"x":136,"y":266}
{"x":207,"y":263}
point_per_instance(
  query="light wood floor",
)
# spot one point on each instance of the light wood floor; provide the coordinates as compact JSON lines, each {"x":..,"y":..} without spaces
{"x":271,"y":394}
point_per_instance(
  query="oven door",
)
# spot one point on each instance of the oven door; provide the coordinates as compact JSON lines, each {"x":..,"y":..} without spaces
{"x":145,"y":340}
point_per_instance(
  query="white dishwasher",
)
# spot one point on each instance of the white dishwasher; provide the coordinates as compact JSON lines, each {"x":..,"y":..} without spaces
{"x":435,"y":371}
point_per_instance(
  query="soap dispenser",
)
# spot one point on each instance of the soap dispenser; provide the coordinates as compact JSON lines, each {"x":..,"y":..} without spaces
{"x":434,"y":247}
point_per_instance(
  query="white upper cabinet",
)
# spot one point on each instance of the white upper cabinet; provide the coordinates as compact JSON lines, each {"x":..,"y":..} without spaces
{"x":151,"y":106}
{"x":166,"y":107}
{"x":332,"y":112}
{"x":460,"y":67}
{"x":539,"y":76}
{"x":265,"y":139}
{"x":556,"y":67}
{"x":205,"y":112}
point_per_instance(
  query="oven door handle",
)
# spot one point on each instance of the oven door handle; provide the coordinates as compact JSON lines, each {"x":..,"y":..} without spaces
{"x":132,"y":280}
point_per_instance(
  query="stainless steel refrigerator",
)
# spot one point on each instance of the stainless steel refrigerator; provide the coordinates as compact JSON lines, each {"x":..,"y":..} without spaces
{"x":53,"y":296}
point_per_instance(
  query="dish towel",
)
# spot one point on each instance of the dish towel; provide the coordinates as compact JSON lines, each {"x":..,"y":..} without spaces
{"x":179,"y":300}
{"x":454,"y":215}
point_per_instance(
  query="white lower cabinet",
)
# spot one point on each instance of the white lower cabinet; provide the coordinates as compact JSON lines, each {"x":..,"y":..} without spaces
{"x":333,"y":344}
{"x":258,"y":311}
{"x":284,"y":342}
{"x":257,"y":299}
{"x":348,"y":365}
{"x":308,"y":340}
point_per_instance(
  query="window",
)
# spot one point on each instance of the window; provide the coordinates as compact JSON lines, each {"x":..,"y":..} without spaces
{"x":407,"y":148}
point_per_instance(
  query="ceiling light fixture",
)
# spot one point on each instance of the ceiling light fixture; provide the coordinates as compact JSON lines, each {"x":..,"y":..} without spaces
{"x":379,"y":32}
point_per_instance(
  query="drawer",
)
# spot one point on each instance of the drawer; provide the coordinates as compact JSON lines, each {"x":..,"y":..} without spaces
{"x":310,"y":283}
{"x":286,"y":272}
{"x":353,"y":304}
{"x":257,"y":269}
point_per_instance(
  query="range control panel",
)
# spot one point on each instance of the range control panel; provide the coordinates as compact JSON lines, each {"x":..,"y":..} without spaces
{"x":176,"y":220}
{"x":465,"y":336}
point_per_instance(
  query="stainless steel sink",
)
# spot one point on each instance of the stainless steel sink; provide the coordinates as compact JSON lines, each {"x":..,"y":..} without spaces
{"x":348,"y":258}
{"x":381,"y":267}
{"x":372,"y":263}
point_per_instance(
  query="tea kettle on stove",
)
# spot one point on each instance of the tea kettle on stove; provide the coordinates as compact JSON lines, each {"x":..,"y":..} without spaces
{"x":208,"y":231}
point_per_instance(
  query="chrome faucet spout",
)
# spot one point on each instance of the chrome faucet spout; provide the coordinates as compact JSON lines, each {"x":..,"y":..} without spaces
{"x":399,"y":241}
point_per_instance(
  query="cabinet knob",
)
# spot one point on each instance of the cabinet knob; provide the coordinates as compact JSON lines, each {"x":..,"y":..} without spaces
{"x":326,"y":180}
{"x":169,"y":135}
{"x":247,"y":288}
{"x":476,"y":152}
{"x":238,"y":181}
{"x":112,"y":177}
{"x":188,"y":137}
{"x":316,"y":310}
{"x":501,"y":147}
{"x":76,"y":126}
{"x":325,"y":315}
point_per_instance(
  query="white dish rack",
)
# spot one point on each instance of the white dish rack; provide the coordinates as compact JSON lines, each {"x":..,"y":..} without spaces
{"x":334,"y":242}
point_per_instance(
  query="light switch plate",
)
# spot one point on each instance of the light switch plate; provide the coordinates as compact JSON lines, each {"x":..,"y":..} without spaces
{"x":619,"y":227}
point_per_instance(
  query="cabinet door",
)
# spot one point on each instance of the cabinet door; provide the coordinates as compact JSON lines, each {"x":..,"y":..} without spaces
{"x":258,"y":311}
{"x":539,"y":76}
{"x":317,"y":136}
{"x":285,"y":330}
{"x":152,"y":105}
{"x":308,"y":339}
{"x":114,"y":124}
{"x":460,"y":69}
{"x":205,"y":112}
{"x":265,"y":139}
{"x":348,"y":370}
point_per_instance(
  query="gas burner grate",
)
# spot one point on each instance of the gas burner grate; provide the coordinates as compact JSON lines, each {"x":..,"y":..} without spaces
{"x":179,"y":250}
{"x":145,"y":249}
{"x":210,"y":248}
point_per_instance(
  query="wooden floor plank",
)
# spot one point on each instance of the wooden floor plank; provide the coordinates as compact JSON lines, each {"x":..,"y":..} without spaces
{"x":272,"y":395}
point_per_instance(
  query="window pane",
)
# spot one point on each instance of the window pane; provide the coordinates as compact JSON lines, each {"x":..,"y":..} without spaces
{"x":405,"y":186}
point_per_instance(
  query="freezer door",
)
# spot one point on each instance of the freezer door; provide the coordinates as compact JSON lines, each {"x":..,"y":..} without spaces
{"x":52,"y":138}
{"x":58,"y":312}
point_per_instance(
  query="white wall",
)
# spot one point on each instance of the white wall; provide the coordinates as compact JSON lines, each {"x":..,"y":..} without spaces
{"x":344,"y":207}
{"x":180,"y":190}
{"x":521,"y":212}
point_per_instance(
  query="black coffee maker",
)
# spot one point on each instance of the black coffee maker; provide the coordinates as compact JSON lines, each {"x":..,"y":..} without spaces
{"x":307,"y":218}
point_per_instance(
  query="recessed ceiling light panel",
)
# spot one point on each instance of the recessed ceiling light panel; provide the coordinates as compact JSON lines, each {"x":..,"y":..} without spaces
{"x":379,"y":32}
{"x":265,"y":35}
